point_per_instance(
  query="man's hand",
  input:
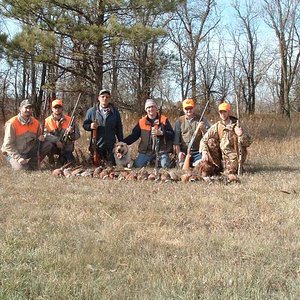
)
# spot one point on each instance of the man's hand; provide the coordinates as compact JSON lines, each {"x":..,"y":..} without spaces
{"x":205,"y":156}
{"x":238,"y":130}
{"x":94,"y":125}
{"x":41,"y":138}
{"x":181,"y":156}
{"x":22,"y":161}
{"x":70,"y":130}
{"x":202,"y":127}
{"x":156,"y":131}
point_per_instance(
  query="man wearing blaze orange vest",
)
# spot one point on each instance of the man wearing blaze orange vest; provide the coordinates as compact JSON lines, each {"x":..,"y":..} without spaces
{"x":61,"y":133}
{"x":22,"y":138}
{"x":149,"y":128}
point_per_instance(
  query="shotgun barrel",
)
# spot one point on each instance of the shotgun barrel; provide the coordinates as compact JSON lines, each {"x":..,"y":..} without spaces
{"x":72,"y":120}
{"x":41,"y":131}
{"x":239,"y":146}
{"x":157,"y":141}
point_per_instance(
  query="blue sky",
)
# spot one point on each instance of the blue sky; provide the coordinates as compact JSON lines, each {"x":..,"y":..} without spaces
{"x":9,"y":26}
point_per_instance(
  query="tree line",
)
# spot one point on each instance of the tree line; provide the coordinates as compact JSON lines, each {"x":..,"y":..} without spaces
{"x":167,"y":50}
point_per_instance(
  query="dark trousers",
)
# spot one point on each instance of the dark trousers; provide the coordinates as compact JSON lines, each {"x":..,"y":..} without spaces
{"x":64,"y":156}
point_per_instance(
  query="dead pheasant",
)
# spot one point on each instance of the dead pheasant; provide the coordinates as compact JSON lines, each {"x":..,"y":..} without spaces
{"x":97,"y":171}
{"x":132,"y":175}
{"x":60,"y":171}
{"x":165,"y":177}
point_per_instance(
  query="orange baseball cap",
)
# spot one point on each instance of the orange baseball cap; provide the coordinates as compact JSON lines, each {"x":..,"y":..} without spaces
{"x":189,"y":102}
{"x":57,"y":103}
{"x":224,"y":106}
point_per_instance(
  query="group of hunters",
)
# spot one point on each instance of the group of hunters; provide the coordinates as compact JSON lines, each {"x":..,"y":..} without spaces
{"x":26,"y":142}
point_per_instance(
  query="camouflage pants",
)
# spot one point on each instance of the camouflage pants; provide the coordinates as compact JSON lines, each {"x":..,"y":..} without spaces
{"x":226,"y":161}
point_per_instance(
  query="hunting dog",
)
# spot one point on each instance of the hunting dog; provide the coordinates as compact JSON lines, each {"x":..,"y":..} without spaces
{"x":122,"y":155}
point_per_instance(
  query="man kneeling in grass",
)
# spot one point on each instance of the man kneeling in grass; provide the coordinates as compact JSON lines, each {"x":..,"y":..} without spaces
{"x":219,"y":146}
{"x":24,"y":144}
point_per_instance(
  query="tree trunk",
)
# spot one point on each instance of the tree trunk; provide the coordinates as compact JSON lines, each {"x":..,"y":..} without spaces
{"x":114,"y":87}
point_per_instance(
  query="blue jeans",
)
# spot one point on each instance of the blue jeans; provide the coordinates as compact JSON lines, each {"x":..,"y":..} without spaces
{"x":143,"y":160}
{"x":195,"y":155}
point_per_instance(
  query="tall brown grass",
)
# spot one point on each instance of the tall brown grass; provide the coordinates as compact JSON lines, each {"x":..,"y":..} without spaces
{"x":85,"y":238}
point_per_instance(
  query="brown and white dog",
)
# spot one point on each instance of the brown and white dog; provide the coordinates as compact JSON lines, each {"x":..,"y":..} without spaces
{"x":122,"y":155}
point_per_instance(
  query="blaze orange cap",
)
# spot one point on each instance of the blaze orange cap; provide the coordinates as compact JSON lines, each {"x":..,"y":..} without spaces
{"x":188,"y":103}
{"x":57,"y":103}
{"x":225,"y":106}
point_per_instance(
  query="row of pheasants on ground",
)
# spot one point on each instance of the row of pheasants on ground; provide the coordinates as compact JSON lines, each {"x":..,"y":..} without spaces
{"x":161,"y":175}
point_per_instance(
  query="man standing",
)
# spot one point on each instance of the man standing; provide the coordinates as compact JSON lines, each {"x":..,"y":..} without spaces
{"x":219,"y":145}
{"x":105,"y":120}
{"x":23,"y":140}
{"x":185,"y":127}
{"x":61,"y":133}
{"x":151,"y":129}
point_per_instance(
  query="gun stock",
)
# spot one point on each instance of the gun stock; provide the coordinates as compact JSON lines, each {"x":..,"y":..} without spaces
{"x":96,"y":160}
{"x":186,"y":164}
{"x":157,"y":141}
{"x":187,"y":159}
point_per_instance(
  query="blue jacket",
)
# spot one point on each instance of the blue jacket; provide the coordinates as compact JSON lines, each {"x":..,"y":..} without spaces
{"x":109,"y":128}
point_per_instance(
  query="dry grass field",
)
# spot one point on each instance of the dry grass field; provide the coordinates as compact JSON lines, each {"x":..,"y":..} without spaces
{"x":86,"y":238}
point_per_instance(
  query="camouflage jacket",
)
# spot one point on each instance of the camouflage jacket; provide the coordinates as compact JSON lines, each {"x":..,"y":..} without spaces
{"x":225,"y":139}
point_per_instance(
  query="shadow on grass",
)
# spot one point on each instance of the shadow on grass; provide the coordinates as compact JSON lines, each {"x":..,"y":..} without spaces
{"x":260,"y":168}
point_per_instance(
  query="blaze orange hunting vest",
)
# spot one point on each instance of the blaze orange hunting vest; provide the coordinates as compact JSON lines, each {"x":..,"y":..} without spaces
{"x":51,"y":125}
{"x":20,"y":128}
{"x":145,"y":145}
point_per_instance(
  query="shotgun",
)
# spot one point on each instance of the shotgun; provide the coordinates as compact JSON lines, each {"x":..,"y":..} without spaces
{"x":157,"y":141}
{"x":72,"y":120}
{"x":40,"y":132}
{"x":96,"y":159}
{"x":186,"y":164}
{"x":239,"y":142}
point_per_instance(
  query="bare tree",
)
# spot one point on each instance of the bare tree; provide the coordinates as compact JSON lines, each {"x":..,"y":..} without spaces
{"x":192,"y":24}
{"x":246,"y":56}
{"x":4,"y":79}
{"x":208,"y":70}
{"x":283,"y":17}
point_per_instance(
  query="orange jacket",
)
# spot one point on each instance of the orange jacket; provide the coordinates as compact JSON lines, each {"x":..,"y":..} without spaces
{"x":56,"y":130}
{"x":52,"y":125}
{"x":19,"y":137}
{"x":145,"y":146}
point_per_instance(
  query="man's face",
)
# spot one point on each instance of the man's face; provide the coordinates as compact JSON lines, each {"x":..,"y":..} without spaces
{"x":104,"y":99}
{"x":57,"y":110}
{"x":224,"y":115}
{"x":26,"y":111}
{"x":189,"y":112}
{"x":151,"y":111}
